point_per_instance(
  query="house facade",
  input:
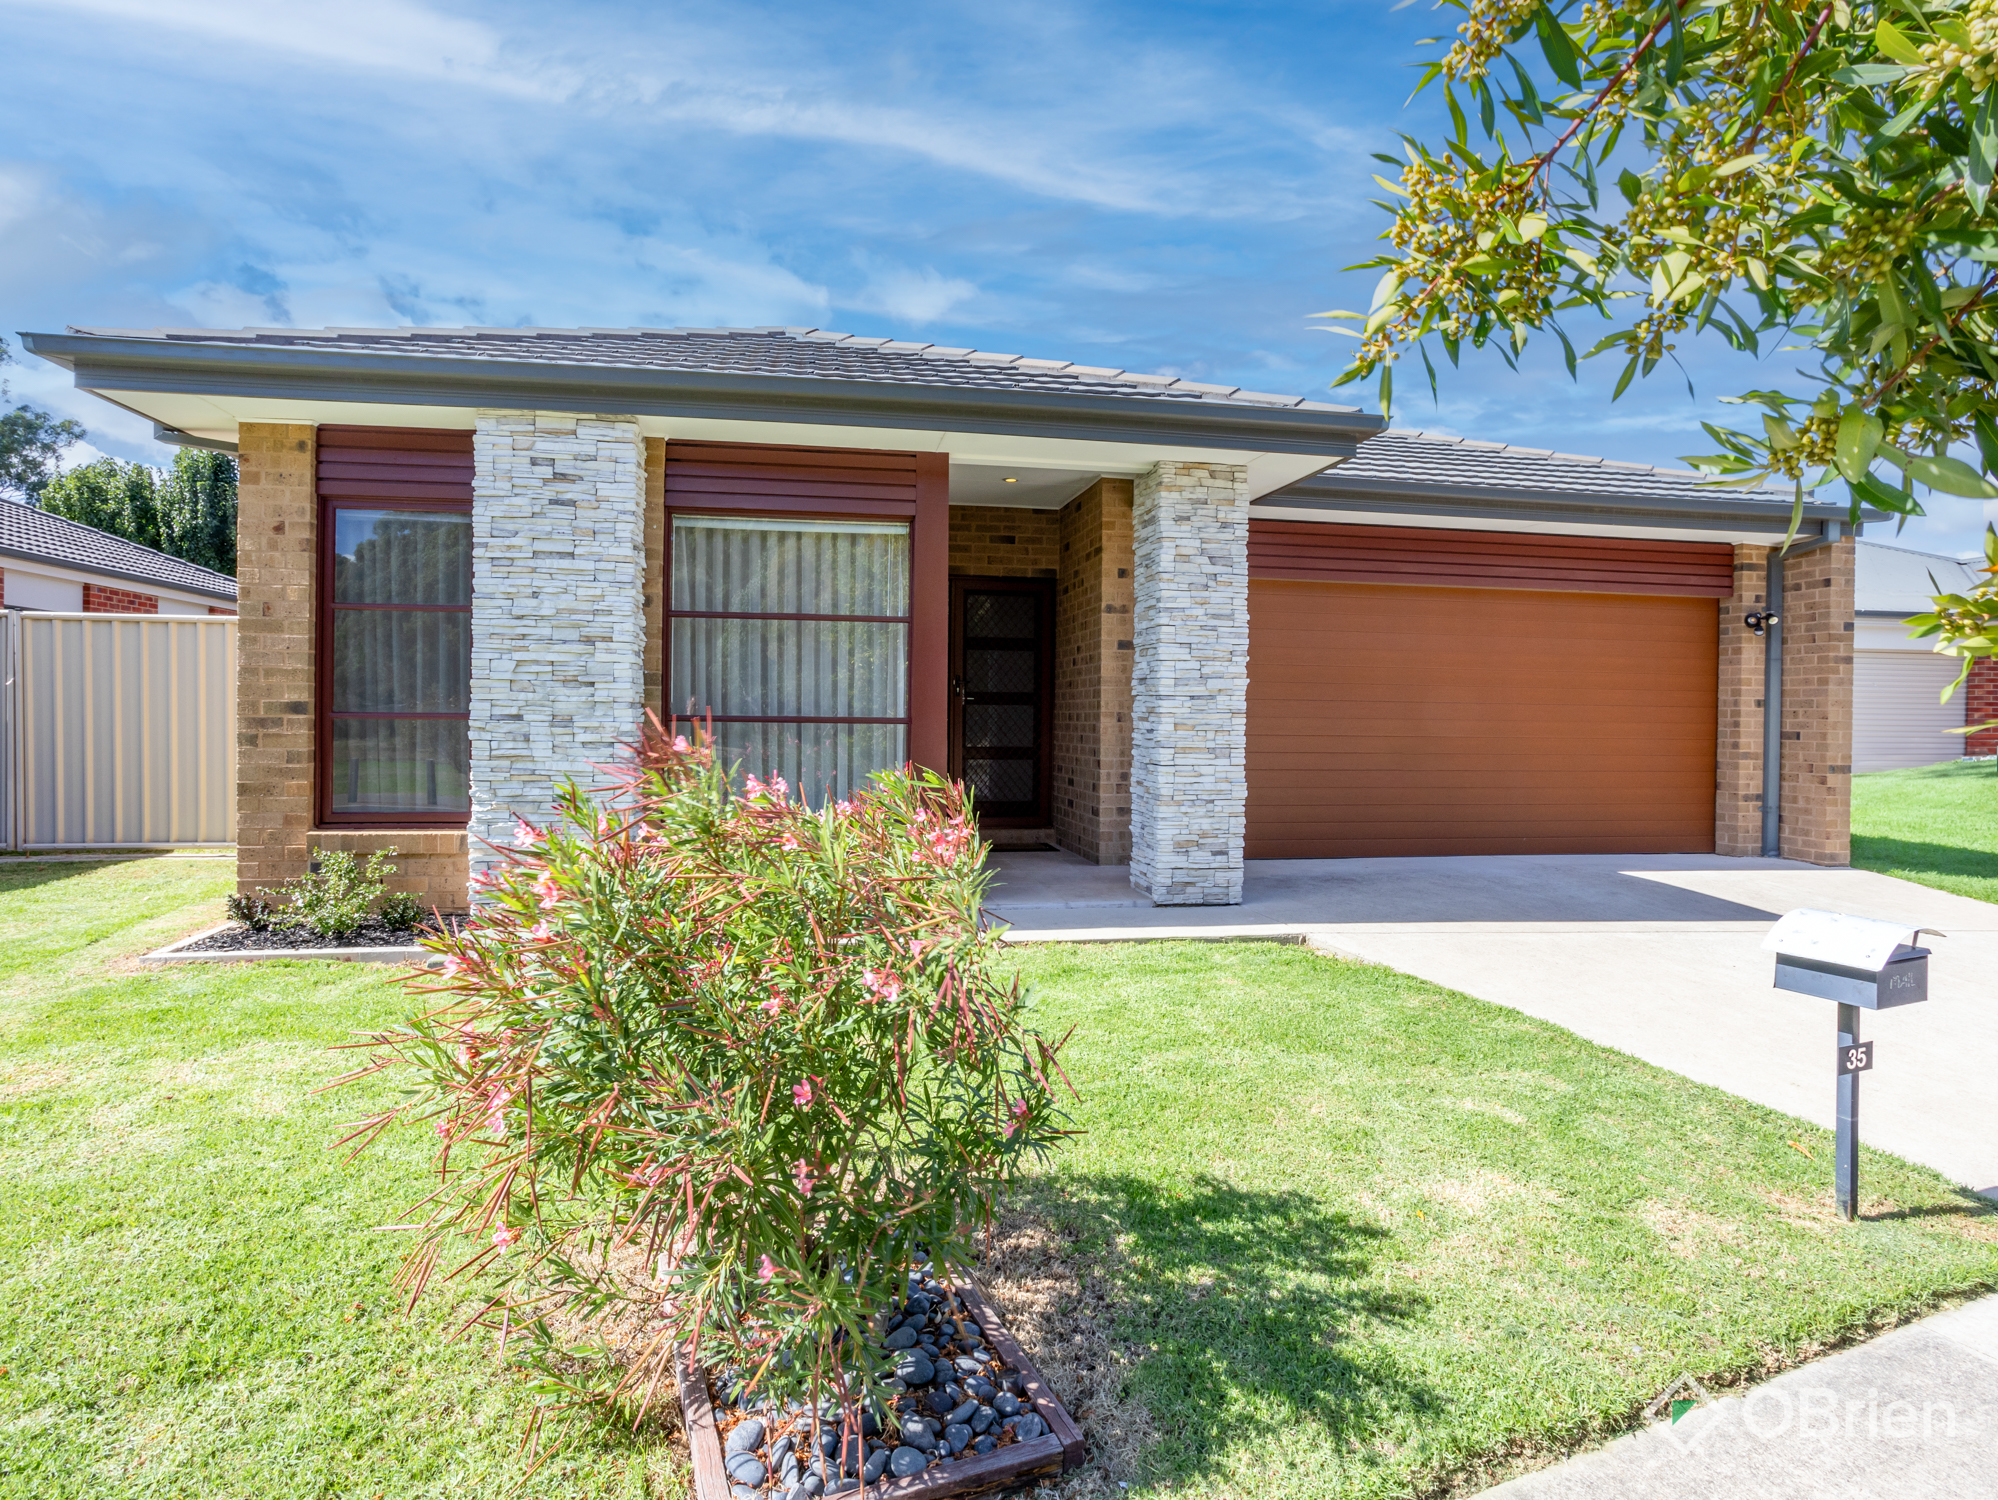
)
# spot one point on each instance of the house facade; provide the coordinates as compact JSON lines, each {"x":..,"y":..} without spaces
{"x":1153,"y":622}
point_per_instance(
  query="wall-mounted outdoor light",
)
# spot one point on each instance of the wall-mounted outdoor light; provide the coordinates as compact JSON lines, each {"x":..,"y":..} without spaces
{"x":1760,"y":620}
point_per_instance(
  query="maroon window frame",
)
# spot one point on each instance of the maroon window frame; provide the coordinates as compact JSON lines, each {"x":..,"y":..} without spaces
{"x":329,"y":509}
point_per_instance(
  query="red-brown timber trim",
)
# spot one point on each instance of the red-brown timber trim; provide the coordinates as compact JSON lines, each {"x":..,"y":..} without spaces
{"x":413,"y":468}
{"x":840,"y":484}
{"x":1311,"y":551}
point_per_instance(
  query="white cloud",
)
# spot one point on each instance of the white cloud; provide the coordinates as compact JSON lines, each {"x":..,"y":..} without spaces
{"x":913,"y":298}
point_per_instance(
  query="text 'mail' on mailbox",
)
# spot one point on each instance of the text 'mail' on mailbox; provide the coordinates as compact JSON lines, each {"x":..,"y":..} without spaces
{"x":1853,"y":960}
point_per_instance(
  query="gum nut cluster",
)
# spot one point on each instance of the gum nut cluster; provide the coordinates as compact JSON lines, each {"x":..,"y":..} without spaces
{"x":1979,"y":61}
{"x":951,"y":1398}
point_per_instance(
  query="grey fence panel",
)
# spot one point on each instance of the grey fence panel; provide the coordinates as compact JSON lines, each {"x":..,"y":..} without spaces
{"x":124,"y":731}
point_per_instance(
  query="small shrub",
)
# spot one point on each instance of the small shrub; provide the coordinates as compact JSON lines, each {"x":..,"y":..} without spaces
{"x":253,"y":912}
{"x":721,"y":1067}
{"x":401,"y":910}
{"x":339,"y":894}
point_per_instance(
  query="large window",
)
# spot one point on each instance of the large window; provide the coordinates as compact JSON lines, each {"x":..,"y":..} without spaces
{"x":794,"y":636}
{"x":397,"y":653}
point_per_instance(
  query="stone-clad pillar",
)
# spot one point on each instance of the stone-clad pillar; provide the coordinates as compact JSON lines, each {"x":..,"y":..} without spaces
{"x":1189,"y":682}
{"x":558,"y":608}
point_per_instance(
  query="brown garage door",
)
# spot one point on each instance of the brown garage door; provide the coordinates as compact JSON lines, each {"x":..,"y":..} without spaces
{"x":1391,"y":719}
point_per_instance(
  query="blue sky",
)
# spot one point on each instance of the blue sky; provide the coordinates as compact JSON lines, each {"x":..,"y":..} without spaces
{"x":1166,"y":186}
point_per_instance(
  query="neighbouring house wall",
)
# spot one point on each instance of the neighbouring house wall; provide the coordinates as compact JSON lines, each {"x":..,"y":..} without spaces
{"x":1189,"y":682}
{"x":107,"y":599}
{"x":1738,"y":750}
{"x":558,"y":608}
{"x":1980,"y":706}
{"x":1092,"y":694}
{"x":1817,"y":705}
{"x":997,"y":541}
{"x":276,"y":742}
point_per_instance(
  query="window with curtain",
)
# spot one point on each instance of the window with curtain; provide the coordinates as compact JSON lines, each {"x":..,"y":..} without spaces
{"x":794,"y":636}
{"x":397,"y":693}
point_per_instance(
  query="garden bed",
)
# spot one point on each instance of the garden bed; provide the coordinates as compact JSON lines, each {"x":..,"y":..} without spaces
{"x":974,"y":1416}
{"x":373,"y":942}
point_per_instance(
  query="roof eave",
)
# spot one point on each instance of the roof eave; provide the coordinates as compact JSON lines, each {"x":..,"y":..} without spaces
{"x":1342,"y":493}
{"x":292,"y":373}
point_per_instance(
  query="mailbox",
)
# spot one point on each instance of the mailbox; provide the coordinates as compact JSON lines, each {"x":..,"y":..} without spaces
{"x":1853,"y":960}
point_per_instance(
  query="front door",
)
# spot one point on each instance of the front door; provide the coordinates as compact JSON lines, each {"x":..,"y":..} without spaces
{"x":1001,"y":665}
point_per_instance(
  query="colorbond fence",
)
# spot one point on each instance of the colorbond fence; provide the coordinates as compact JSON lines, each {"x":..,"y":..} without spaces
{"x":117,"y":731}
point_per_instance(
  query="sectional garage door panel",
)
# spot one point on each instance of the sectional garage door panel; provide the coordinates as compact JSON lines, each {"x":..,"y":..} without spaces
{"x":1395,"y":720}
{"x":1898,"y":716}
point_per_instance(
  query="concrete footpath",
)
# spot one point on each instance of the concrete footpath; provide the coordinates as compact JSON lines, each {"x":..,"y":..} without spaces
{"x":1658,"y":956}
{"x":1911,"y":1415}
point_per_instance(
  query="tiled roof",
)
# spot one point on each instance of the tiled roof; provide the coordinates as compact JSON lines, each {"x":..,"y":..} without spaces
{"x":1401,"y":459}
{"x":26,"y":532}
{"x":811,"y":353}
{"x":1902,"y":581}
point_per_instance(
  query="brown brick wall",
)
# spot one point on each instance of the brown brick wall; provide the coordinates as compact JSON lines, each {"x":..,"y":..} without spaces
{"x":996,"y":541}
{"x":1092,"y":708}
{"x":1738,"y":753}
{"x":103,"y":599}
{"x":216,"y":609}
{"x":276,"y":741}
{"x":1817,"y":705}
{"x":1980,"y":706}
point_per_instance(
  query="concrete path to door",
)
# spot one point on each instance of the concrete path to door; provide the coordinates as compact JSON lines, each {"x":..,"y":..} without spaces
{"x":1658,"y":956}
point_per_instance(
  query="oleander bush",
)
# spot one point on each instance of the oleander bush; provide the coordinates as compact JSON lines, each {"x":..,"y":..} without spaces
{"x":718,"y":1067}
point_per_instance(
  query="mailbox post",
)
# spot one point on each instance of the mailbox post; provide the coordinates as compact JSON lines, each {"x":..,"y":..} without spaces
{"x":1860,"y":964}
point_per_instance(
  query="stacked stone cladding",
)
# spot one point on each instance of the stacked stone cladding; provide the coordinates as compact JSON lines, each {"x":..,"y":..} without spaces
{"x":656,"y":582}
{"x":997,"y":541}
{"x":1190,"y":529}
{"x":1093,"y":653}
{"x":1980,"y":706}
{"x":558,"y":608}
{"x":277,"y":566}
{"x":104,"y":599}
{"x":1738,"y":752}
{"x":1817,"y":705}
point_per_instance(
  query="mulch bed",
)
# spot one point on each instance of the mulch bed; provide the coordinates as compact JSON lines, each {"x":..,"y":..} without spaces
{"x":373,"y":933}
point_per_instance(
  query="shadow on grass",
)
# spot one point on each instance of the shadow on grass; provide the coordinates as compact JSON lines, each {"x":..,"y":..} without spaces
{"x":1874,"y":852}
{"x":1243,"y":1312}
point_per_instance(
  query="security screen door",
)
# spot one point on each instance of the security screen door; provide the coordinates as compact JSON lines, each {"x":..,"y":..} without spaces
{"x":794,"y":636}
{"x":1001,"y":668}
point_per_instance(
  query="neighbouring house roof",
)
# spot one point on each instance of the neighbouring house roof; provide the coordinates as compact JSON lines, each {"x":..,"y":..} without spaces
{"x":746,"y":374}
{"x":32,"y":535}
{"x":1901,"y":581}
{"x":1424,"y":473}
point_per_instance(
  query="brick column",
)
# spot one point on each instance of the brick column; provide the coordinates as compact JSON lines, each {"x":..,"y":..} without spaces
{"x":276,"y":522}
{"x":1189,"y":682}
{"x":1980,"y":706}
{"x":1738,"y":754}
{"x":1817,"y":705}
{"x":558,"y":608}
{"x":1093,"y":651}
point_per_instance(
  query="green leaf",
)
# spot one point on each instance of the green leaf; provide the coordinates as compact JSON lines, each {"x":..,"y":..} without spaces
{"x":1456,"y":115}
{"x":1950,"y":475}
{"x":1623,"y":381}
{"x":1555,"y":46}
{"x":1859,"y":434}
{"x":1897,"y":46}
{"x":1983,"y":153}
{"x":1987,"y":441}
{"x":1632,"y":185}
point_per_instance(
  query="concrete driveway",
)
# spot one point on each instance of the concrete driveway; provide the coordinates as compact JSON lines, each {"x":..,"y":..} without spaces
{"x":1655,"y":955}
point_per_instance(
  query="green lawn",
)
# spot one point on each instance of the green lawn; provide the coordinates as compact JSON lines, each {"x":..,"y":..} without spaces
{"x":1937,"y":825}
{"x":1347,"y":1234}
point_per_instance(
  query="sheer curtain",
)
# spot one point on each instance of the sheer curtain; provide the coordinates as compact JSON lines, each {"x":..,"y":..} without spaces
{"x":794,"y":635}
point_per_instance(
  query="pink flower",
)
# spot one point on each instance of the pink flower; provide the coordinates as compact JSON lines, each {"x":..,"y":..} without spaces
{"x":453,"y":966}
{"x":504,"y":1237}
{"x":680,"y":745}
{"x":801,"y":1094}
{"x":771,"y":1007}
{"x":844,"y":809}
{"x":541,"y":931}
{"x":882,"y":985}
{"x":525,"y":834}
{"x":806,"y":1179}
{"x":443,"y":1128}
{"x":1020,"y":1110}
{"x":789,"y":844}
{"x":766,"y":1269}
{"x":549,"y":889}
